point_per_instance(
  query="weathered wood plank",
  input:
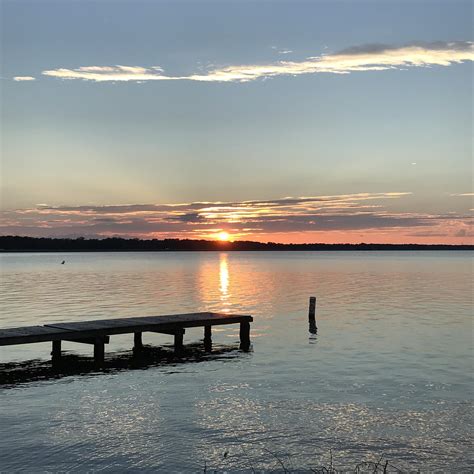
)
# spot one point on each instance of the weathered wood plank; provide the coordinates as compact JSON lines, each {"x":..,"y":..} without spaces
{"x":88,"y":340}
{"x":30,"y":334}
{"x":180,"y":319}
{"x":171,"y":333}
{"x":84,"y":330}
{"x":166,"y":323}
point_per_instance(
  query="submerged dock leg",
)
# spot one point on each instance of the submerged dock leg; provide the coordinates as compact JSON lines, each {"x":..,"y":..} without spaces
{"x":137,"y":342}
{"x":208,"y":338}
{"x":245,"y":336}
{"x":178,"y":340}
{"x":56,"y":352}
{"x":99,"y":351}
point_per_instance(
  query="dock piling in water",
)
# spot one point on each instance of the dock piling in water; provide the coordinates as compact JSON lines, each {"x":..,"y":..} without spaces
{"x":312,"y":315}
{"x":245,"y":335}
{"x":208,"y":338}
{"x":178,"y":340}
{"x":99,"y":350}
{"x":56,"y":352}
{"x":137,"y":342}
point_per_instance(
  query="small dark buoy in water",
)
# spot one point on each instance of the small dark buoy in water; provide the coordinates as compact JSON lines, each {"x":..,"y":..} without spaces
{"x":63,"y":262}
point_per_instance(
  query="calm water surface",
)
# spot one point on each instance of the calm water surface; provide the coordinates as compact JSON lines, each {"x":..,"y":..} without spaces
{"x":390,"y":371}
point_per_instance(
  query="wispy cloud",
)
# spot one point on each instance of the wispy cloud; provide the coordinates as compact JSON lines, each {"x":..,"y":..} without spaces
{"x":110,"y":73}
{"x":256,"y":219}
{"x":24,"y":78}
{"x":362,"y":58}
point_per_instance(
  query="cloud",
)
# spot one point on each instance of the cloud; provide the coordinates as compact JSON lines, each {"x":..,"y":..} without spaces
{"x":373,"y":57}
{"x":110,"y":73}
{"x":428,"y":234}
{"x":288,"y":216}
{"x":191,"y":217}
{"x":24,"y":78}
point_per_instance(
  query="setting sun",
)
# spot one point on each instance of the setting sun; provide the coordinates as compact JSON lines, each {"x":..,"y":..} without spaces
{"x":223,"y":236}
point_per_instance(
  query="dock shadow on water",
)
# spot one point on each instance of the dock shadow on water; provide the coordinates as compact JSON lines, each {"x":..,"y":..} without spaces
{"x":14,"y":374}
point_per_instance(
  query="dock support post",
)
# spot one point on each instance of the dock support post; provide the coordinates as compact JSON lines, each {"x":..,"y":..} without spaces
{"x":178,"y":340}
{"x":56,"y":352}
{"x":312,"y":315}
{"x":99,"y":351}
{"x":137,"y":342}
{"x":245,"y":336}
{"x":208,"y":338}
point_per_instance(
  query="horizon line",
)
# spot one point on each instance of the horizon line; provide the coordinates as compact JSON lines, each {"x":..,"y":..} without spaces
{"x":223,"y":244}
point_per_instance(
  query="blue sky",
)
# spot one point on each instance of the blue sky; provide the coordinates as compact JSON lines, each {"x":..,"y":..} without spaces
{"x":74,"y":142}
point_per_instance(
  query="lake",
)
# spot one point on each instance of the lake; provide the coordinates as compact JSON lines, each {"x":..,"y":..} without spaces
{"x":388,"y":374}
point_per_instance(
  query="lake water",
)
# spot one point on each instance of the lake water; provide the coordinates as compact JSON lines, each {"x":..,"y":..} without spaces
{"x":389,"y":373}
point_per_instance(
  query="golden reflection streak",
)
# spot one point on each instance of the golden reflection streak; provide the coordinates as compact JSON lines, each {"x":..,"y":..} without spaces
{"x":224,"y":277}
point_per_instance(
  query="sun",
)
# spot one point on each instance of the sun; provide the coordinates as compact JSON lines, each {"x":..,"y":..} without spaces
{"x":223,"y":236}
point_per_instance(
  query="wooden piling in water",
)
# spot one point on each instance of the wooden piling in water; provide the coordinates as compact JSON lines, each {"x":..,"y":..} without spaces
{"x":312,"y":315}
{"x":99,"y":350}
{"x":137,"y":342}
{"x":56,"y":352}
{"x":208,"y":338}
{"x":245,"y":336}
{"x":178,"y":340}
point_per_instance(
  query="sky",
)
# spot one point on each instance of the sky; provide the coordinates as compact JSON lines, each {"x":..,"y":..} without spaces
{"x":283,"y":121}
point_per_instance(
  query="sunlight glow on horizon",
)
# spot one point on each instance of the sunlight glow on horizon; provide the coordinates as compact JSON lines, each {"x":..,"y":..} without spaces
{"x":223,"y":236}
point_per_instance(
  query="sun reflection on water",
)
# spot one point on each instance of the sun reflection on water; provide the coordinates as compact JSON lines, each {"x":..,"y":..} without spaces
{"x":224,"y":278}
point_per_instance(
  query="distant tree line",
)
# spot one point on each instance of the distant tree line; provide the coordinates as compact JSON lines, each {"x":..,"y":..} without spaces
{"x":12,"y":243}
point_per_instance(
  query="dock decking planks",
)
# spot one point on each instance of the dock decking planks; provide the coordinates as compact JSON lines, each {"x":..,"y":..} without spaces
{"x":97,"y":331}
{"x":31,"y":334}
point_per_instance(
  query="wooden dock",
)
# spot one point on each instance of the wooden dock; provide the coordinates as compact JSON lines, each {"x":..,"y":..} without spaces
{"x":98,"y":332}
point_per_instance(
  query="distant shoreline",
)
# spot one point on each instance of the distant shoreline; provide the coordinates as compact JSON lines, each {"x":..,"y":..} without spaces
{"x":37,"y":244}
